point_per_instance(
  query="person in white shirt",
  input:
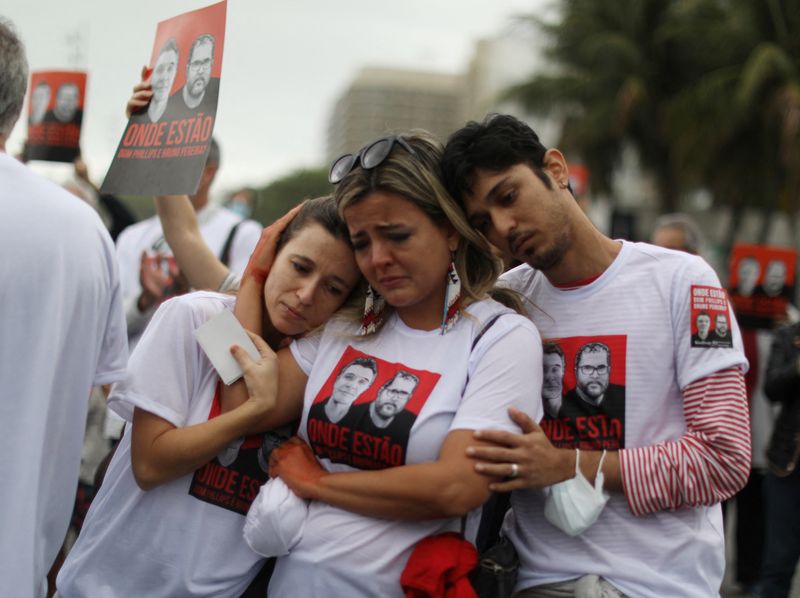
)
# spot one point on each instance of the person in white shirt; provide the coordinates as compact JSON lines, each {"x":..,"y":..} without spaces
{"x":63,"y":331}
{"x":230,"y":237}
{"x":168,"y":518}
{"x":149,"y":273}
{"x":376,"y":493}
{"x":676,"y":439}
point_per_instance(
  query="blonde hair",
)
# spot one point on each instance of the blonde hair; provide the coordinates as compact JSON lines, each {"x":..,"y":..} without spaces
{"x":417,"y":177}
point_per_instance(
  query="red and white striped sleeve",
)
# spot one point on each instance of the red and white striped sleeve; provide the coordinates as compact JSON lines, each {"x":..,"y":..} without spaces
{"x":708,"y":464}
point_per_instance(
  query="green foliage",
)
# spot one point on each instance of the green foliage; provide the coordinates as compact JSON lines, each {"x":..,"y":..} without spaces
{"x":706,"y":91}
{"x":278,"y":197}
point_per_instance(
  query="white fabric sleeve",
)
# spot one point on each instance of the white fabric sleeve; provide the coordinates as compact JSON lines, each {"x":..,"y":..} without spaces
{"x":244,"y":241}
{"x":230,"y":283}
{"x":163,"y":368}
{"x":304,"y":350}
{"x":113,"y":355}
{"x":694,"y":363}
{"x":276,"y":520}
{"x":507,"y":372}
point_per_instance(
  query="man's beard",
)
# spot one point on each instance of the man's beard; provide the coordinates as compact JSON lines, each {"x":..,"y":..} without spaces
{"x":202,"y":89}
{"x":550,"y":257}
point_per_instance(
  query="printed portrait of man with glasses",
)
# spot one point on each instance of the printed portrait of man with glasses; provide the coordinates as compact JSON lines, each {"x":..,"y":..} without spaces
{"x":200,"y":92}
{"x":380,"y":428}
{"x":596,"y":406}
{"x":392,"y":399}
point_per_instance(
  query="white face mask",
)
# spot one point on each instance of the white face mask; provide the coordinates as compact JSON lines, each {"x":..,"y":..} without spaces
{"x":574,"y":505}
{"x":239,"y":208}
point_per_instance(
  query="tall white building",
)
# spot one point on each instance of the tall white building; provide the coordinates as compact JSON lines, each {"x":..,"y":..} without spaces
{"x":383,"y":100}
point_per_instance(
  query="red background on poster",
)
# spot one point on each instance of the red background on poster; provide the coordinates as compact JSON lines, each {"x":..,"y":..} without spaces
{"x":185,"y":28}
{"x":386,"y":370}
{"x":56,"y":79}
{"x":616,"y":343}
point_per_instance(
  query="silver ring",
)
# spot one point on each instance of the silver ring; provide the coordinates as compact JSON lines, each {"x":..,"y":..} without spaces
{"x":514,"y":470}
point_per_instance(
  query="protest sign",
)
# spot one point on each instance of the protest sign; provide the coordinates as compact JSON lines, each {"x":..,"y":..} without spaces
{"x":164,"y":147}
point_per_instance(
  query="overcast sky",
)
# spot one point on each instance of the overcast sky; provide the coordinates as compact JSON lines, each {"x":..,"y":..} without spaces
{"x":284,"y":64}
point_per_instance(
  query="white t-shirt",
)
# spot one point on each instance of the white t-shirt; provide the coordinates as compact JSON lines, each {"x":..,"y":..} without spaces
{"x":62,"y":331}
{"x":183,"y":538}
{"x":345,"y":554}
{"x":642,"y":309}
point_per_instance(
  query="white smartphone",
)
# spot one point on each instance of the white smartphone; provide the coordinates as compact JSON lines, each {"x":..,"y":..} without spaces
{"x":216,"y":337}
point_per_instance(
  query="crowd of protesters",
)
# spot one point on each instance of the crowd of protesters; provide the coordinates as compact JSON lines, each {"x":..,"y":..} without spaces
{"x":406,"y":382}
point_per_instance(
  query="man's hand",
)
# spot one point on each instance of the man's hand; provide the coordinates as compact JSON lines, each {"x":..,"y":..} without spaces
{"x":538,"y":462}
{"x":81,"y":170}
{"x":156,"y":284}
{"x":142,"y":93}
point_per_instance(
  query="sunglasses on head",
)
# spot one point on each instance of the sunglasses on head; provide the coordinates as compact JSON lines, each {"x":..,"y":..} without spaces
{"x":368,"y":156}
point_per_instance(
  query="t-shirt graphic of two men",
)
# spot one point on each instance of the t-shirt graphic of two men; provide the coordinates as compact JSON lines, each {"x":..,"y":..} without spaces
{"x":720,"y":336}
{"x":364,"y":419}
{"x":591,"y":414}
{"x":233,"y":478}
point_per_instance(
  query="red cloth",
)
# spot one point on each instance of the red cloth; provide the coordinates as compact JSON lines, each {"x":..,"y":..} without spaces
{"x":438,"y":568}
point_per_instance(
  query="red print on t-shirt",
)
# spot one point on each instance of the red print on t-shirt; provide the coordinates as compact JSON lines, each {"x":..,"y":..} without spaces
{"x":583,"y":391}
{"x":363,"y":414}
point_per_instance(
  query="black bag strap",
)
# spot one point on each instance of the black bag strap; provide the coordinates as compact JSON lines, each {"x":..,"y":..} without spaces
{"x":489,"y":323}
{"x":494,"y":509}
{"x":493,"y":514}
{"x":225,"y":254}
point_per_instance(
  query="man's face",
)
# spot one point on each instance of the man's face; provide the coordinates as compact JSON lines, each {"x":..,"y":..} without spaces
{"x":553,"y":376}
{"x":392,"y":399}
{"x":198,"y":70}
{"x":703,"y":325}
{"x":721,"y":324}
{"x":164,"y":71}
{"x":519,"y":215}
{"x":228,"y":455}
{"x":671,"y":238}
{"x":774,"y":278}
{"x":351,"y":382}
{"x":592,"y":374}
{"x":39,"y":102}
{"x":748,"y":272}
{"x":66,"y":102}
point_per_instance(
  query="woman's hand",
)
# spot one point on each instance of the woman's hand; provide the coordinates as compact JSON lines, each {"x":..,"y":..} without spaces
{"x":249,"y":308}
{"x":296,"y":465}
{"x":267,"y":247}
{"x":142,"y":93}
{"x":260,"y":377}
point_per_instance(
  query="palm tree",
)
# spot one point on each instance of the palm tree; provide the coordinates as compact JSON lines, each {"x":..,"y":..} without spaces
{"x":616,"y":68}
{"x":707,"y":92}
{"x":736,"y":129}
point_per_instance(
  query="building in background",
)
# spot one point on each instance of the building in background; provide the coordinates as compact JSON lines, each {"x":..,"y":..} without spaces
{"x":381,"y":100}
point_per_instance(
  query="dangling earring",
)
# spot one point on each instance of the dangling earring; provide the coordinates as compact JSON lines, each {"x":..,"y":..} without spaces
{"x":563,"y":184}
{"x":452,"y":299}
{"x":373,"y":312}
